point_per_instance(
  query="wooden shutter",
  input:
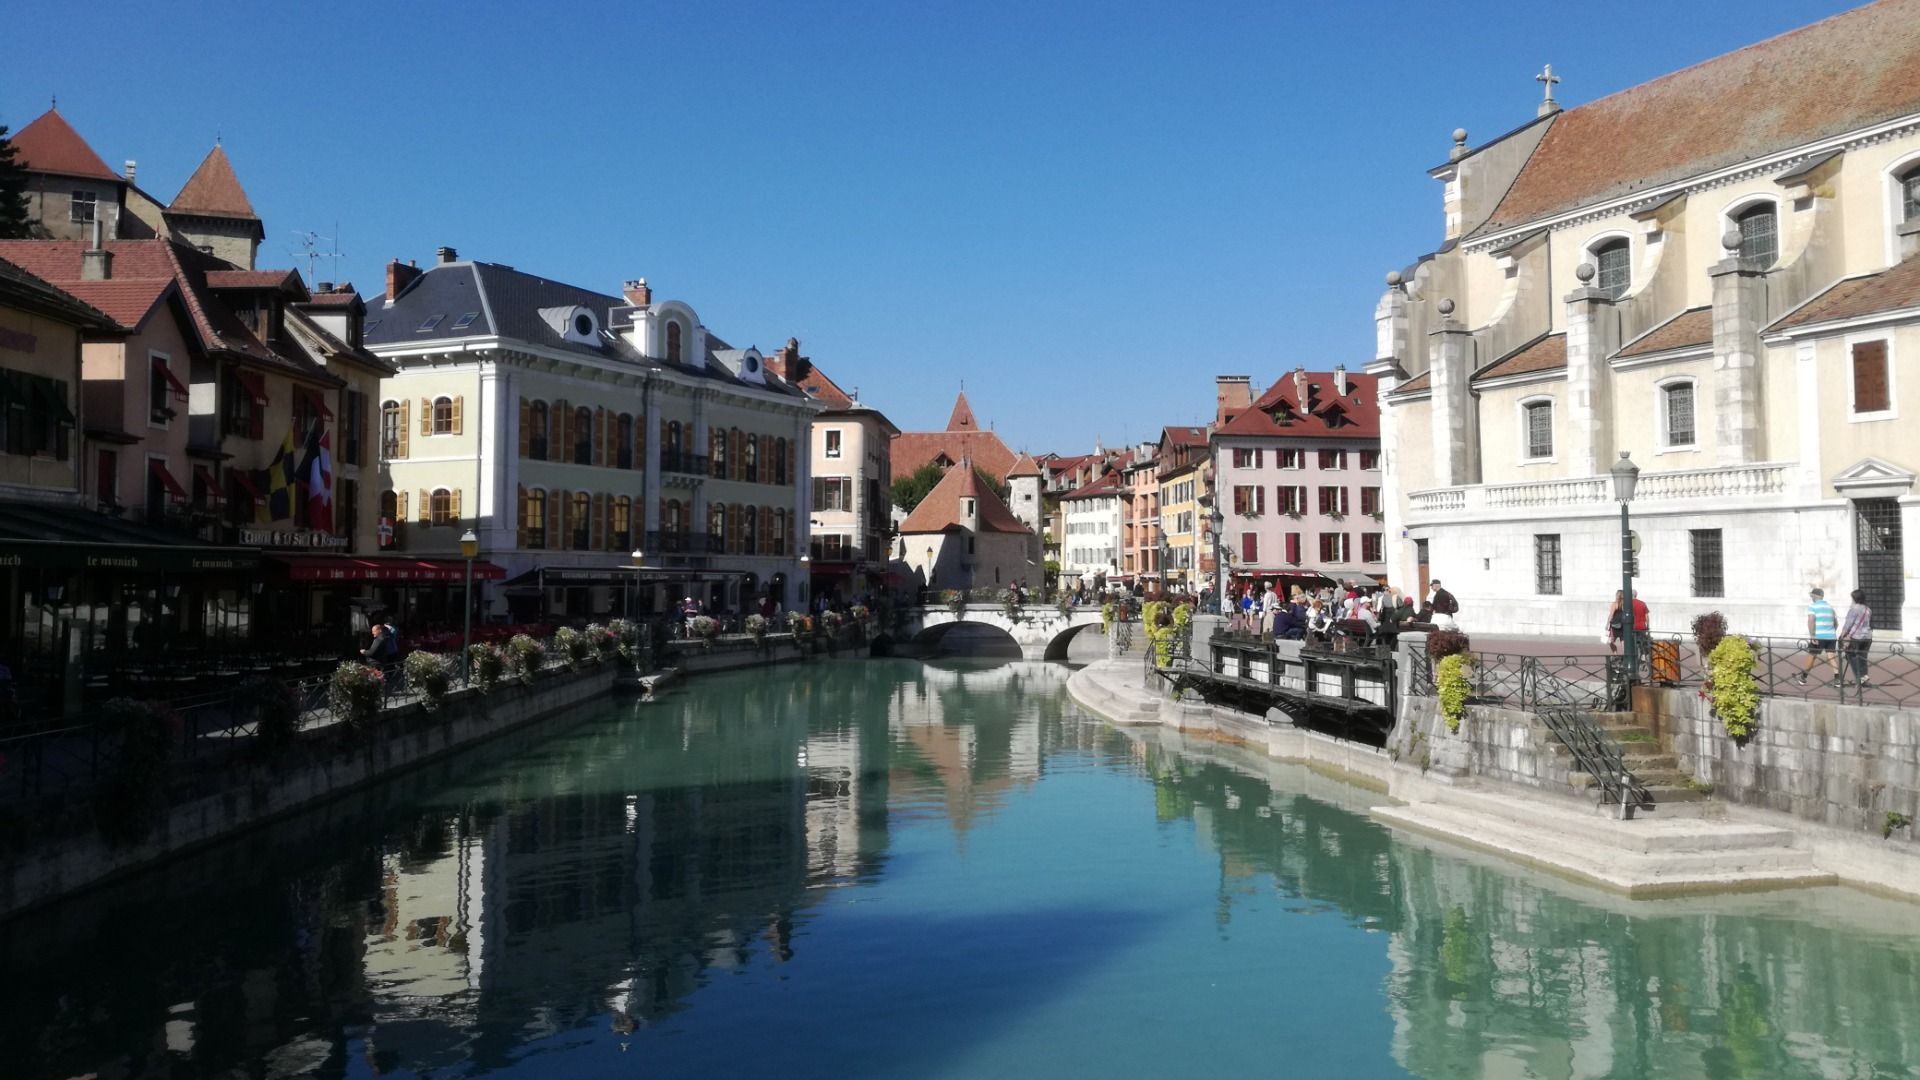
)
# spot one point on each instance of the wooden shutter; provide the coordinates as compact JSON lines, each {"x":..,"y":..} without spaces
{"x":522,"y":536}
{"x":599,"y":454}
{"x":597,"y":509}
{"x":1870,"y":377}
{"x":454,"y":507}
{"x":739,"y":454}
{"x":559,"y":425}
{"x":399,"y":508}
{"x":1250,"y":547}
{"x":425,"y":509}
{"x":426,"y":416}
{"x":458,"y":401}
{"x":405,"y":427}
{"x":639,"y":445}
{"x":256,"y":418}
{"x":766,"y":530}
{"x":526,"y":430}
{"x":733,"y":529}
{"x":1293,"y":548}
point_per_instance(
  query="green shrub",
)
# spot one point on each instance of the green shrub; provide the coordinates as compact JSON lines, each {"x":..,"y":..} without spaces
{"x":574,"y":647}
{"x":488,"y":665}
{"x":603,"y":640}
{"x":355,"y":694}
{"x":1734,"y":691}
{"x":428,"y":674}
{"x":1455,"y":688}
{"x":528,"y":657}
{"x":757,"y":628}
{"x":626,"y":634}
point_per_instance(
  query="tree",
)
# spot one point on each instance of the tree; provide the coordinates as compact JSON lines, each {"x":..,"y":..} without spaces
{"x":908,"y":490}
{"x":13,"y":191}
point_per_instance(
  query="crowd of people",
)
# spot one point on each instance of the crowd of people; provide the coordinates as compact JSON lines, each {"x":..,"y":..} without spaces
{"x":1337,"y":614}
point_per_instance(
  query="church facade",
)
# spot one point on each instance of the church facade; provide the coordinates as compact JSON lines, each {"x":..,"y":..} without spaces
{"x":1716,"y":273}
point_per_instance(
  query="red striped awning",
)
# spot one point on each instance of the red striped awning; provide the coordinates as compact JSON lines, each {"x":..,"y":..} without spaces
{"x":350,"y":568}
{"x":158,"y":470}
{"x":245,"y":479}
{"x":256,"y":386}
{"x":318,"y":399}
{"x":173,"y":381}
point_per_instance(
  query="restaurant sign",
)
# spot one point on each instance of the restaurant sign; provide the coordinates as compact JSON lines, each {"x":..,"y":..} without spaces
{"x":306,"y":539}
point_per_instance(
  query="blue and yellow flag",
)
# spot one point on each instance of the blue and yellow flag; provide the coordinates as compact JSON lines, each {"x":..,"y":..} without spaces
{"x":280,"y":475}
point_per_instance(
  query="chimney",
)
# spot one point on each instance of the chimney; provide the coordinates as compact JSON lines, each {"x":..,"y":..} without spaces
{"x":1340,"y":380}
{"x":1301,"y":401}
{"x":446,"y":255}
{"x":323,"y":286}
{"x":96,"y":263}
{"x":638,"y":294}
{"x":1232,"y":393}
{"x":131,"y":166}
{"x":399,"y":277}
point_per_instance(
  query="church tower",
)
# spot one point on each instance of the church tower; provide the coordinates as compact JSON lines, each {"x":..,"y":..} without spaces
{"x":212,"y":213}
{"x":1023,"y":498}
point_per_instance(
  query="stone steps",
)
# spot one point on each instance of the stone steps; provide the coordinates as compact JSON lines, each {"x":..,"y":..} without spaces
{"x":1640,"y":857}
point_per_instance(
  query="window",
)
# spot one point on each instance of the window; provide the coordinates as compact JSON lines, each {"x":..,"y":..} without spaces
{"x":82,"y":208}
{"x":673,"y":518}
{"x":716,"y":524}
{"x":833,"y":444}
{"x":1333,"y":547}
{"x":750,"y":531}
{"x":831,"y":547}
{"x":583,"y":436}
{"x":1871,"y":390}
{"x":443,"y":416}
{"x":780,"y":461}
{"x":1759,"y":234}
{"x":465,"y":320}
{"x":673,"y":343}
{"x":1291,"y":459}
{"x":534,"y":519}
{"x":750,"y":459}
{"x":623,"y":440}
{"x":1292,"y":498}
{"x":106,"y":478}
{"x":1333,"y":501}
{"x":779,"y":532}
{"x":537,"y":431}
{"x":1249,"y":500}
{"x":429,"y":324}
{"x":1709,"y":573}
{"x":440,"y":507}
{"x":346,"y":508}
{"x":833,"y":493}
{"x":1539,"y":428}
{"x":1248,"y":458}
{"x":968,"y":508}
{"x":1370,"y":500}
{"x":1910,"y":195}
{"x":1369,"y":459}
{"x":353,"y":429}
{"x":580,"y":520}
{"x":1676,"y":405}
{"x":1293,"y":549}
{"x":159,"y":383}
{"x":1615,"y":264}
{"x":1546,"y":564}
{"x":1250,"y":548}
{"x":622,"y":538}
{"x":1333,"y":459}
{"x":717,"y":453}
{"x":671,"y":451}
{"x":1373,"y":547}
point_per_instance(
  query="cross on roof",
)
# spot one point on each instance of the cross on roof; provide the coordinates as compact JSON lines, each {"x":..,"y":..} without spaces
{"x":1547,"y":78}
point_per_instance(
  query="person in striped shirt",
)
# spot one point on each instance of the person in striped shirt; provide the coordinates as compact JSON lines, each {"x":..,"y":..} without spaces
{"x":1823,"y":632}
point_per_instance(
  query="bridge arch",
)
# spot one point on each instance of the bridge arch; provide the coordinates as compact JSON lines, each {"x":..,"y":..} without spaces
{"x":1042,"y":633}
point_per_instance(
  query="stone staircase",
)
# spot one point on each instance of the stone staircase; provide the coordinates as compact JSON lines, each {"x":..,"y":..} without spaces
{"x":1642,"y":857}
{"x":1673,"y":794}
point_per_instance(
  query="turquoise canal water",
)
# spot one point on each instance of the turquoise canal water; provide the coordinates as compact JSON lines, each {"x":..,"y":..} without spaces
{"x":886,"y":869}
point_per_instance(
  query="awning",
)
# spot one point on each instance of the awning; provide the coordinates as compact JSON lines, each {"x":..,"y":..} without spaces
{"x":158,"y":470}
{"x":318,"y":399}
{"x":349,"y":568}
{"x":49,"y":537}
{"x":173,"y":381}
{"x":208,"y":482}
{"x":244,"y":477}
{"x":255,"y":386}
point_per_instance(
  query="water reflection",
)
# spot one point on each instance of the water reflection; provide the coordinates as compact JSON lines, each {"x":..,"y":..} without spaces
{"x":893,"y":868}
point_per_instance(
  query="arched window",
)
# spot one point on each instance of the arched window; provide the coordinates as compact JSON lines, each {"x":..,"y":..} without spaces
{"x":673,"y":525}
{"x":583,"y":436}
{"x":779,"y":532}
{"x":389,"y":507}
{"x":1910,"y":194}
{"x":536,"y":518}
{"x":1537,"y":429}
{"x":622,"y":523}
{"x":751,"y":459}
{"x":716,"y":526}
{"x":670,"y":458}
{"x":393,"y":430}
{"x":440,"y":507}
{"x":1759,"y":233}
{"x":537,"y":431}
{"x":623,"y":436}
{"x":580,"y":520}
{"x":673,"y":342}
{"x":717,"y":453}
{"x":780,"y":461}
{"x":750,"y":530}
{"x":1613,"y":259}
{"x":443,"y":416}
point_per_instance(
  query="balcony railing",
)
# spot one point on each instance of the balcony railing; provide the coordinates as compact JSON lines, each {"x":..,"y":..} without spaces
{"x":1731,"y":482}
{"x":676,"y":461}
{"x":675,"y":543}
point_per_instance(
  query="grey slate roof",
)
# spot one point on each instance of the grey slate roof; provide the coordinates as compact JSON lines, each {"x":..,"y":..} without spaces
{"x":506,"y":303}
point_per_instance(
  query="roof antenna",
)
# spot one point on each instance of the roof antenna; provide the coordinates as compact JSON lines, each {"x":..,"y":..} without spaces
{"x":53,"y":103}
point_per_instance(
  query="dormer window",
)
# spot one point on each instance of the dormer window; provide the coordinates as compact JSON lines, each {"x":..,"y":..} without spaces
{"x":432,"y":323}
{"x":673,"y":343}
{"x":583,"y":324}
{"x":1759,"y":234}
{"x":1615,"y":264}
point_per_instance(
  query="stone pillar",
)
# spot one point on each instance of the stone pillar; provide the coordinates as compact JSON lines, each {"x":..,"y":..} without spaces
{"x":650,"y":493}
{"x":1453,"y":434}
{"x":1593,"y":328}
{"x":496,"y":506}
{"x":1390,"y":322}
{"x":1739,"y":311}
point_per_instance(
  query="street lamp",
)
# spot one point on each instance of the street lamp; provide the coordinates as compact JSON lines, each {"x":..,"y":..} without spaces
{"x":1219,"y":522}
{"x":1625,"y":475}
{"x":469,"y":548}
{"x":633,"y":581}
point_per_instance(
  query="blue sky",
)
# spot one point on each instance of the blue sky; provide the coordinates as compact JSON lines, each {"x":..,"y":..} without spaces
{"x":1085,"y":211}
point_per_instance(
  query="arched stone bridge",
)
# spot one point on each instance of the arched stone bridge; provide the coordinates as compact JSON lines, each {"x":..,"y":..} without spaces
{"x":1040,"y":630}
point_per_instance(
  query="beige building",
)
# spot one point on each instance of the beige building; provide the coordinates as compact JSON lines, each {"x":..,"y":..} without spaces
{"x":851,"y":450}
{"x":961,"y":536}
{"x":583,"y":435}
{"x":1715,"y":272}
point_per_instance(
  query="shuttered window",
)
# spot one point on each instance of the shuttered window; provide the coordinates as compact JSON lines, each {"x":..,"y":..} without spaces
{"x":1870,"y":389}
{"x":1250,"y":547}
{"x":1293,"y":548}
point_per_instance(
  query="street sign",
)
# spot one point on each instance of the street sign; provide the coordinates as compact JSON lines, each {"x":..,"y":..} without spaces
{"x":1633,"y":541}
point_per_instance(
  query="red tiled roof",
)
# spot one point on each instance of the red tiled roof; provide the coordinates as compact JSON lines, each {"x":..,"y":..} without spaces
{"x":333,"y":299}
{"x":288,"y":280}
{"x":1889,"y":290}
{"x":1329,"y":414}
{"x":1183,"y":436}
{"x":961,"y":419}
{"x":940,"y":510}
{"x":1024,"y":465}
{"x":1840,"y":74}
{"x":213,"y":190}
{"x":21,"y":288}
{"x":1422,"y":381}
{"x":913,"y":449}
{"x":1542,"y":354}
{"x":1691,"y":327}
{"x":50,"y":145}
{"x":1108,"y":484}
{"x":128,"y":302}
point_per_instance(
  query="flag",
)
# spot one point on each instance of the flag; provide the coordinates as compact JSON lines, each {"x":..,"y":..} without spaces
{"x":318,"y":471}
{"x":280,"y":480}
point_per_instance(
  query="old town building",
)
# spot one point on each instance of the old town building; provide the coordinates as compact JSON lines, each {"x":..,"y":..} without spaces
{"x":962,"y":536}
{"x":1184,"y":471}
{"x":1714,"y":272}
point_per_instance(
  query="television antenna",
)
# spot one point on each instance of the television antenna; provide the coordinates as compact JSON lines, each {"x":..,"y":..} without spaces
{"x":308,"y":245}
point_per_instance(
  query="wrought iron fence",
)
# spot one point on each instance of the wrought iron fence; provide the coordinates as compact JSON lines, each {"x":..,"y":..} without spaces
{"x":1885,"y":674}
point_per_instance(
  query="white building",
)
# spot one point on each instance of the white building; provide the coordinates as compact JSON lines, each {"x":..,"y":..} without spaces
{"x":961,"y":536}
{"x":1093,"y":515}
{"x":1715,"y":272}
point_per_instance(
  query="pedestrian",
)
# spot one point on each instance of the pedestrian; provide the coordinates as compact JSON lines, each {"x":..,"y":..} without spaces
{"x":1615,"y":626}
{"x":1823,"y":632}
{"x":1856,"y":636}
{"x":1444,"y":607}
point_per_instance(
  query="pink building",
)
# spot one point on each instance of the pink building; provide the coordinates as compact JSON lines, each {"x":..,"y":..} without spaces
{"x":1298,"y":482}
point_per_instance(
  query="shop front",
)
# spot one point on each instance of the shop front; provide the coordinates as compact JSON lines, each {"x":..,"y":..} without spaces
{"x":322,"y":604}
{"x":580,"y":593}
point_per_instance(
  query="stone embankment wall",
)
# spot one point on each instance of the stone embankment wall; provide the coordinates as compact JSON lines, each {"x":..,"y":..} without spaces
{"x":1845,"y":766}
{"x":1507,"y":745}
{"x":247,"y":795}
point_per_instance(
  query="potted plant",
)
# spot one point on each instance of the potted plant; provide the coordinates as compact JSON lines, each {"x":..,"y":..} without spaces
{"x":488,"y":664}
{"x":574,"y":648}
{"x":355,"y":694}
{"x":429,"y":676}
{"x":1731,"y":687}
{"x":757,"y":629}
{"x":703,"y":627}
{"x":528,"y":655}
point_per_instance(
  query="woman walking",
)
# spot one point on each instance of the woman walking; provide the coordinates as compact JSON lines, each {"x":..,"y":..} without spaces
{"x":1856,"y":637}
{"x":1614,"y":622}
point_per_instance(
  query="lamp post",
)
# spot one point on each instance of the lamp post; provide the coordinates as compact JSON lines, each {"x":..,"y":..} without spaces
{"x":1625,"y":475}
{"x":469,"y":548}
{"x":639,"y":557}
{"x":1218,"y":521}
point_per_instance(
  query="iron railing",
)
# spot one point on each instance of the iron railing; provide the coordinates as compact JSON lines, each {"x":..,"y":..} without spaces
{"x":1883,"y":674}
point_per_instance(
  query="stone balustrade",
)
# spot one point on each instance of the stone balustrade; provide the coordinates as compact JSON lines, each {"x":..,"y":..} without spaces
{"x":1730,"y":482}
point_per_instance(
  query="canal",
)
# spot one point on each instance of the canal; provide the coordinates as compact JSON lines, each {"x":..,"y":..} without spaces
{"x":895,"y":869}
